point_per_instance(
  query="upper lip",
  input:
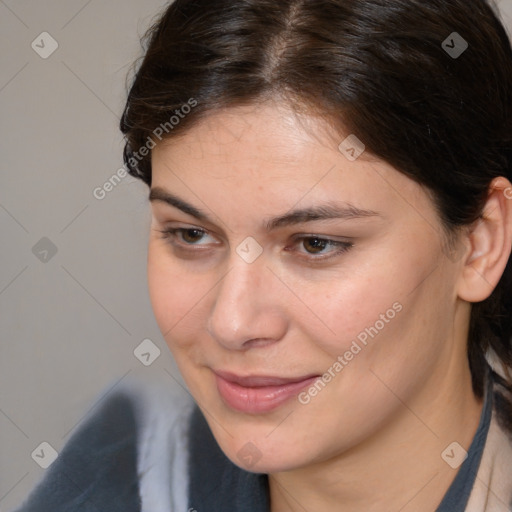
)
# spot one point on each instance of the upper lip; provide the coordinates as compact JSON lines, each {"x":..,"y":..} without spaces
{"x":251,"y":381}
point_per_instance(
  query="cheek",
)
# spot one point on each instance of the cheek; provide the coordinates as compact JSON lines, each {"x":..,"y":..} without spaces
{"x":178,"y":298}
{"x":379,"y":314}
{"x":350,"y":308}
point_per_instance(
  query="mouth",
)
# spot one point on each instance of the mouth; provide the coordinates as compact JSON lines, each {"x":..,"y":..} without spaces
{"x":258,"y":394}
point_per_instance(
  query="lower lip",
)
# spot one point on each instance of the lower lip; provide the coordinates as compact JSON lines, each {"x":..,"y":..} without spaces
{"x":258,"y":400}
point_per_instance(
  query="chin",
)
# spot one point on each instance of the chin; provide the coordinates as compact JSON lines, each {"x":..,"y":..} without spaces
{"x":269,"y":463}
{"x":255,"y":451}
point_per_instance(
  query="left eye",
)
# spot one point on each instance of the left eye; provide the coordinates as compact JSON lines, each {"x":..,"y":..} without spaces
{"x":317,"y":245}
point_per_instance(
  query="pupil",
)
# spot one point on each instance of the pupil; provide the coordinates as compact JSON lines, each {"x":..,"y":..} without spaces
{"x":192,"y":238}
{"x":317,"y":244}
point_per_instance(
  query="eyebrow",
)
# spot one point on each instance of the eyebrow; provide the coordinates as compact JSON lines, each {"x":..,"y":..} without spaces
{"x":323,"y":212}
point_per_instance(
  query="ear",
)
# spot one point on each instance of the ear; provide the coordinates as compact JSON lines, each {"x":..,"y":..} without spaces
{"x":490,"y":243}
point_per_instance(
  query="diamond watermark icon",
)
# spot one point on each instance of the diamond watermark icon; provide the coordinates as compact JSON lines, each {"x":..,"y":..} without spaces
{"x":44,"y":45}
{"x":455,"y":45}
{"x":249,"y":250}
{"x":454,"y":455}
{"x":44,"y":250}
{"x":352,"y":148}
{"x":146,"y":352}
{"x":44,"y":455}
{"x":249,"y":454}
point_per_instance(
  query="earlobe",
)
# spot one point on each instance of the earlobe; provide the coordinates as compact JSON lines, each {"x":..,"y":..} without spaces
{"x":490,"y":240}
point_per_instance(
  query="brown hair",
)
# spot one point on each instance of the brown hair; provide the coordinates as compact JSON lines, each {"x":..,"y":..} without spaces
{"x":396,"y":73}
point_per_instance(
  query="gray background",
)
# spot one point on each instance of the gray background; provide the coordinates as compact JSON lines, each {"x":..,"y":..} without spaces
{"x":69,"y":321}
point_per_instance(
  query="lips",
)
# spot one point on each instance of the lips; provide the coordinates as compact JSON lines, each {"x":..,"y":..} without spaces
{"x":258,"y":394}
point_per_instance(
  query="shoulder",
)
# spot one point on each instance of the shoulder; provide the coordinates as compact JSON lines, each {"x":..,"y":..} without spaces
{"x":118,"y":458}
{"x":493,"y":484}
{"x":163,"y":409}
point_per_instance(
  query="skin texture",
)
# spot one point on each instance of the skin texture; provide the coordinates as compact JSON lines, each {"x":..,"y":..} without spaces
{"x":372,"y":438}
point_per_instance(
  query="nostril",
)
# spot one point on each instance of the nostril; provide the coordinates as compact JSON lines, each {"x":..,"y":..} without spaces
{"x":257,"y":342}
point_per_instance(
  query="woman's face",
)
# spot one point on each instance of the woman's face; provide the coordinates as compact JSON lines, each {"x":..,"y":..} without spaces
{"x":307,"y":295}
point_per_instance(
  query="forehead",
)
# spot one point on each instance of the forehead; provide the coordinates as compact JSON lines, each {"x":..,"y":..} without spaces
{"x":258,"y":157}
{"x":269,"y":134}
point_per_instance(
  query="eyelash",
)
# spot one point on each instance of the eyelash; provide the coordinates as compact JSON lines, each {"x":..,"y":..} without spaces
{"x":342,"y":247}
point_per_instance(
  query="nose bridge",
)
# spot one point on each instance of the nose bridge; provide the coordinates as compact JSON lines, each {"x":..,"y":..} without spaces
{"x":245,"y":307}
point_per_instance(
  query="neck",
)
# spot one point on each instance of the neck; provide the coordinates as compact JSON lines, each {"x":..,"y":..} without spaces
{"x":398,"y":468}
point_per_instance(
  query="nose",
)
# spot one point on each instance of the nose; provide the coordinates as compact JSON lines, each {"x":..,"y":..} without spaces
{"x":247,"y":311}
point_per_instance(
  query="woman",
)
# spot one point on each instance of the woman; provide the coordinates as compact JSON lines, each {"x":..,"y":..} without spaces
{"x":329,"y":263}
